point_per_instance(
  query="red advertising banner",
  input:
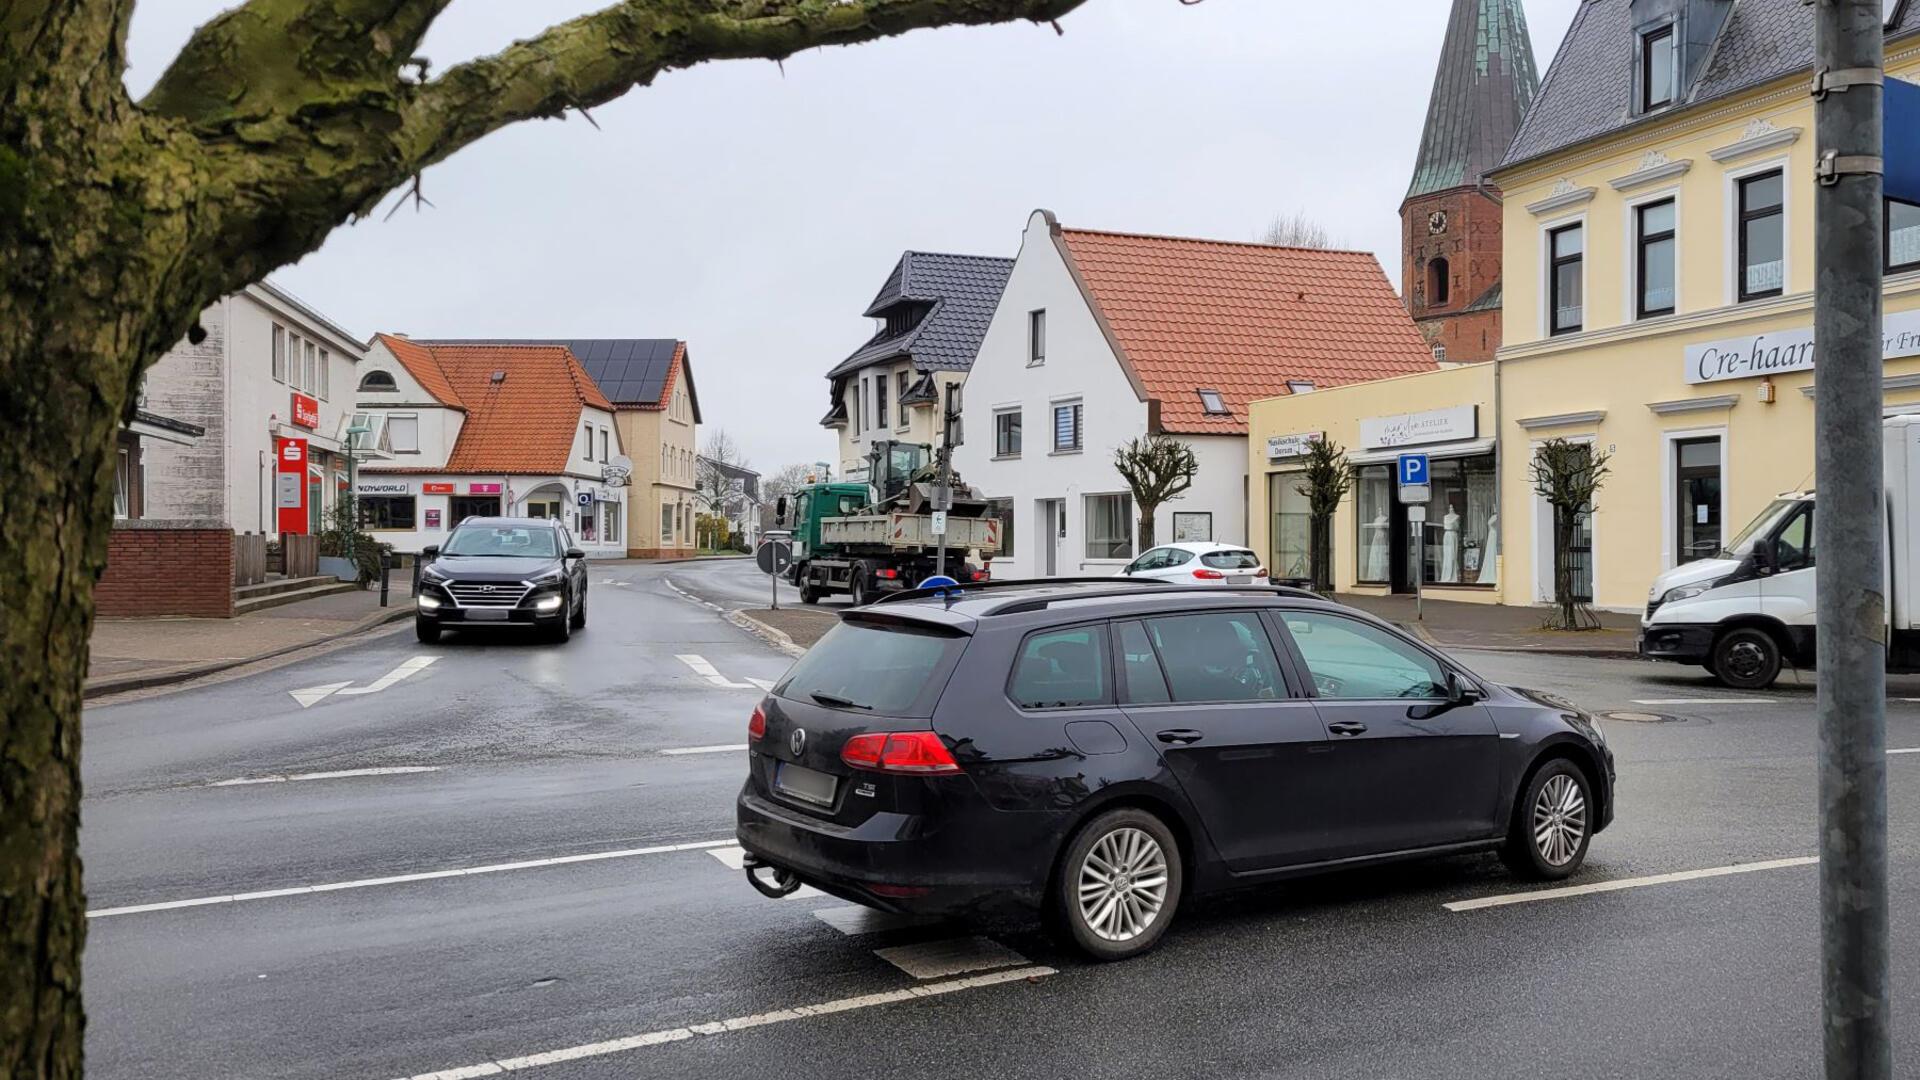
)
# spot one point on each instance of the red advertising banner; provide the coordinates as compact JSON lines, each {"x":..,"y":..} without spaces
{"x":290,"y":484}
{"x":483,"y":489}
{"x":306,"y":411}
{"x":431,"y":488}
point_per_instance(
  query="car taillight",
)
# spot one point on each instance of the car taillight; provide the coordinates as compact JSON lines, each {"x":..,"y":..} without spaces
{"x":899,"y":751}
{"x":757,"y":727}
{"x":889,"y":575}
{"x":1205,"y":574}
{"x":1262,"y":572}
{"x":983,"y":574}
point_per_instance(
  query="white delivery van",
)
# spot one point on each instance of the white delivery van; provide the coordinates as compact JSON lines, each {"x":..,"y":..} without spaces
{"x":1750,"y":609}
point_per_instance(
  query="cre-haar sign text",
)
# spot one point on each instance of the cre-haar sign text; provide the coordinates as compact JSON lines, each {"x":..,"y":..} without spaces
{"x":1786,"y":350}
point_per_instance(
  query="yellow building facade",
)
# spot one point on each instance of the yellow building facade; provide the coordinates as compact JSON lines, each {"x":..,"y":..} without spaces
{"x":1658,"y":301}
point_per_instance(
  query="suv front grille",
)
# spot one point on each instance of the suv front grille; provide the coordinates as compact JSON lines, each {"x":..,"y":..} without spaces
{"x":504,"y":594}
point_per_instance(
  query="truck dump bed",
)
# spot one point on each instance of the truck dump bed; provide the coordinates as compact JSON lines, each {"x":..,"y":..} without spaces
{"x":902,"y":531}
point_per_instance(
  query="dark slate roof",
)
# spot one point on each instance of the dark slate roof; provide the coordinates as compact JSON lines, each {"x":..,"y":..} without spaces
{"x":629,"y":371}
{"x":1588,"y":90}
{"x":1481,"y":89}
{"x":963,"y":289}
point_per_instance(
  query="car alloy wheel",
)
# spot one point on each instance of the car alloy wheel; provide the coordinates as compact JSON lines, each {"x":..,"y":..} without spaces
{"x":1123,"y":885}
{"x":1559,"y":820}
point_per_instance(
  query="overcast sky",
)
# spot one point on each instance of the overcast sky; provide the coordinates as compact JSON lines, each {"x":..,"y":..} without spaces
{"x":754,"y":213}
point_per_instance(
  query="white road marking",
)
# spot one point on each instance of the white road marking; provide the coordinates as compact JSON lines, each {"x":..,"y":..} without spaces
{"x":707,"y":671}
{"x":405,"y":669}
{"x":401,"y":879}
{"x":1480,"y":902}
{"x":338,"y":774}
{"x":734,"y":858}
{"x":764,"y":684}
{"x":1706,"y":701}
{"x":727,"y":749}
{"x":685,"y":595}
{"x":939,"y":959}
{"x":312,"y":694}
{"x":1906,"y":750}
{"x":738,"y":1023}
{"x":854,"y":920}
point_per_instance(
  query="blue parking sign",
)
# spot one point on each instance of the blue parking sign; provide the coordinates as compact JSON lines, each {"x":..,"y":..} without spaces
{"x":1413,"y":470}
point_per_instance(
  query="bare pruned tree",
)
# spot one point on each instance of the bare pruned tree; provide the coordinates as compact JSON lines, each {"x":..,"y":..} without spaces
{"x":1156,"y":468}
{"x":1325,"y":481}
{"x":1296,"y":230}
{"x":1568,"y":475}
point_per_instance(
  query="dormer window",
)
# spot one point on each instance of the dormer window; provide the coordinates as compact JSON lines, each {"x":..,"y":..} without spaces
{"x":377,"y":381}
{"x":1214,"y":403}
{"x":1299,"y":386}
{"x":1658,"y":72}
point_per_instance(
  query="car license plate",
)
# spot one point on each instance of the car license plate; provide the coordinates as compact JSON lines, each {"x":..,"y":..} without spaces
{"x":804,"y":784}
{"x":1240,"y":579}
{"x":487,"y":614}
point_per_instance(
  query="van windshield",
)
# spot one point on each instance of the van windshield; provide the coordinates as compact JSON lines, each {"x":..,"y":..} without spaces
{"x":883,"y":668}
{"x":1742,"y":545}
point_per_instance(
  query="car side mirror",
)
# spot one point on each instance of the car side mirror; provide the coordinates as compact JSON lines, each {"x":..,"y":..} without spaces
{"x":1766,"y":556}
{"x":431,"y":551}
{"x":1460,"y":691}
{"x":576,"y":553}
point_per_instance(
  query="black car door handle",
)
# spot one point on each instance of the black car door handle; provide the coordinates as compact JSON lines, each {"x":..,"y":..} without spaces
{"x":1346,"y":727}
{"x":1179,"y":736}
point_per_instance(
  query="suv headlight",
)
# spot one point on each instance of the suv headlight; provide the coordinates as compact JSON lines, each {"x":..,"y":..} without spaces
{"x":551,"y":577}
{"x":1686,"y":592}
{"x":431,"y":572}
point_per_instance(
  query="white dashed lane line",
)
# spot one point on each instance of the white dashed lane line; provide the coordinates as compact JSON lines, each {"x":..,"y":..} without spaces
{"x":1705,"y":701}
{"x":729,"y":748}
{"x":704,"y":668}
{"x":337,"y":774}
{"x":856,"y":921}
{"x":1565,"y":892}
{"x":955,"y":956}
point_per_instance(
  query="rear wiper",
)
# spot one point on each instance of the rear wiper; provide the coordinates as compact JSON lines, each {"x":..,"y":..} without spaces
{"x":837,"y":702}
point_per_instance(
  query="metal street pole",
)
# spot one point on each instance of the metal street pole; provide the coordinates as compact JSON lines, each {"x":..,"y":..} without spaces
{"x":942,"y":483}
{"x":1852,"y":618}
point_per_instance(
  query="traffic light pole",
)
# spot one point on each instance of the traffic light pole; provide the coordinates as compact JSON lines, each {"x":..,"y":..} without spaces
{"x":1852,"y":617}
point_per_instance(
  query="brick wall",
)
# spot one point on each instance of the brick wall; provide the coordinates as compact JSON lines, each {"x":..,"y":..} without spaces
{"x":157,"y":567}
{"x":660,"y":552}
{"x":1470,"y":243}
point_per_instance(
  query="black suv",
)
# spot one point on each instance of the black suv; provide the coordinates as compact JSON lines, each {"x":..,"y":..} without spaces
{"x":1100,"y":750}
{"x":496,"y":571}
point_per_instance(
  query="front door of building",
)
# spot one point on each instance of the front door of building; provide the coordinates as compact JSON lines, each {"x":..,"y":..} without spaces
{"x":1052,"y":514}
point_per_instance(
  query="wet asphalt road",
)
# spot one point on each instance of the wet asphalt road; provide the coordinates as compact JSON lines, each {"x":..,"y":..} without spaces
{"x":521,"y":758}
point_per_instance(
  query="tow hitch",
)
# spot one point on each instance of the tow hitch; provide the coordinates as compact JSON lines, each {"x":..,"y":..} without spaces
{"x":776,"y":883}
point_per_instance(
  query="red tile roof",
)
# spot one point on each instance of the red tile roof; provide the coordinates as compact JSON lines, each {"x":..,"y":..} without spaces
{"x":528,"y":422}
{"x":1242,"y":319}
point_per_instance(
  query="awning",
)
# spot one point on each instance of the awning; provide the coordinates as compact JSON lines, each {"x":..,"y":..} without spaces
{"x":1476,"y":448}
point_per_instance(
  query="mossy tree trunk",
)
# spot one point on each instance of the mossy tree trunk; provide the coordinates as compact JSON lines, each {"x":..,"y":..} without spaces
{"x":120,"y":221}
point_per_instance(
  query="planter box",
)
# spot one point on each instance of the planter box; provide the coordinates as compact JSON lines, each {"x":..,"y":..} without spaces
{"x":339,"y":567}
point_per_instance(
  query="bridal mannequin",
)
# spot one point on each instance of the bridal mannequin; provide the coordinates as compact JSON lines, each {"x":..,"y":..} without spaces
{"x":1450,"y":546}
{"x":1490,"y":554}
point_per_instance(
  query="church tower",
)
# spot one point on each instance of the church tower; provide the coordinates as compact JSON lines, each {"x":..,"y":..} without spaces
{"x":1450,"y":219}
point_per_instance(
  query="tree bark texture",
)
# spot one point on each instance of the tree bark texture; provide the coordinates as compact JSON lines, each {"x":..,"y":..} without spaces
{"x":121,"y":221}
{"x":1323,"y":553}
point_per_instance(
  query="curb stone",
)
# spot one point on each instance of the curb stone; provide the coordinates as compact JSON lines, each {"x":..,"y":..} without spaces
{"x":146,"y":680}
{"x":779,"y":639}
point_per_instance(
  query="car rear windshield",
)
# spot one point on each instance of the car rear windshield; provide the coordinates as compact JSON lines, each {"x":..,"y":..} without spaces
{"x":528,"y":542}
{"x":1231,"y":560}
{"x":886,"y":668}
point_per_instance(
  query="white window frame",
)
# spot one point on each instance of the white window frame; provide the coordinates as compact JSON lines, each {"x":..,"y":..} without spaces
{"x":1037,"y":337}
{"x":1053,"y":426}
{"x":1630,"y":258}
{"x":1086,"y":529}
{"x":1547,"y":229}
{"x":415,"y":417}
{"x":1670,"y":487}
{"x":1010,"y":410}
{"x":293,"y":361}
{"x":325,"y":382}
{"x":279,"y":364}
{"x":902,"y":382}
{"x":1730,"y":196}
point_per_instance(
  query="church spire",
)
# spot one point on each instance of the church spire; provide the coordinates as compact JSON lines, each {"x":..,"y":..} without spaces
{"x":1486,"y":79}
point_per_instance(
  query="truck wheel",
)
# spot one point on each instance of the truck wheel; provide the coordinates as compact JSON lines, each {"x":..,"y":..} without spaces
{"x":1746,"y":659}
{"x":857,"y":584}
{"x":808,"y":594}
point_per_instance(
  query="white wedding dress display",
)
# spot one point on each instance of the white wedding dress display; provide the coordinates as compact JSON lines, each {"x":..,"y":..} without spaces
{"x":1490,"y":556}
{"x":1378,"y":543}
{"x":1450,"y":548}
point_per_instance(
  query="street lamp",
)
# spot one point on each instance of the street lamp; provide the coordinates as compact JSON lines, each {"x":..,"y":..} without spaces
{"x":354,"y":431}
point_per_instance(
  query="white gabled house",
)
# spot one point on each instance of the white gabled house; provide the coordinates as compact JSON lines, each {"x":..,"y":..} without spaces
{"x":1102,"y":337}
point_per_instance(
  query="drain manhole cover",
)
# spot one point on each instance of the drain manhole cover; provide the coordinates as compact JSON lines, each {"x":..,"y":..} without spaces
{"x":1641,"y":717}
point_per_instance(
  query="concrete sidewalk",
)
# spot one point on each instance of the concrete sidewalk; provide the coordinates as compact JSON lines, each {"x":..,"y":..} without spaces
{"x":132,"y":654}
{"x":1508,"y":629}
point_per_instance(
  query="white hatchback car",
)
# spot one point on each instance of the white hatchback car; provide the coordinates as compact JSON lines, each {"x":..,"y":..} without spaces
{"x":1199,"y":564}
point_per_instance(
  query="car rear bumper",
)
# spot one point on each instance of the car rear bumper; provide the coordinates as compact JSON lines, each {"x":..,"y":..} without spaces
{"x":890,"y":861}
{"x":1684,"y":643}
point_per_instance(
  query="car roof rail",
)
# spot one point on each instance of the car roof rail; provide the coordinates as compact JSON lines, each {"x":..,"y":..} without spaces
{"x":963,"y":588}
{"x":1041,"y":603}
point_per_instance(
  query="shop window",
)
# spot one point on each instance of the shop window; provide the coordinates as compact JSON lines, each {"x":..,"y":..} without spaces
{"x":1657,"y":72}
{"x":1002,"y":509}
{"x":1109,"y":526}
{"x":1373,"y":504}
{"x":1458,"y":538}
{"x":1566,"y":279}
{"x":462,"y":507}
{"x":1439,"y":282}
{"x":1292,"y":527}
{"x":378,"y":512}
{"x":403,"y":433}
{"x":1066,"y":427}
{"x":1903,"y":236}
{"x":588,"y":532}
{"x":1654,"y":259}
{"x":610,"y":525}
{"x":1006,"y":434}
{"x":377,"y":382}
{"x":1763,"y":240}
{"x":1696,"y":486}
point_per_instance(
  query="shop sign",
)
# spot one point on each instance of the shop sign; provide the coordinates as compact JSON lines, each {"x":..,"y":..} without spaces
{"x":433,"y":519}
{"x":585,"y":498}
{"x":483,"y":489}
{"x":306,"y":411}
{"x":1418,"y":429}
{"x":1280,"y":447}
{"x":1787,"y":350}
{"x":432,"y":488}
{"x":383,"y":487}
{"x":290,"y":485}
